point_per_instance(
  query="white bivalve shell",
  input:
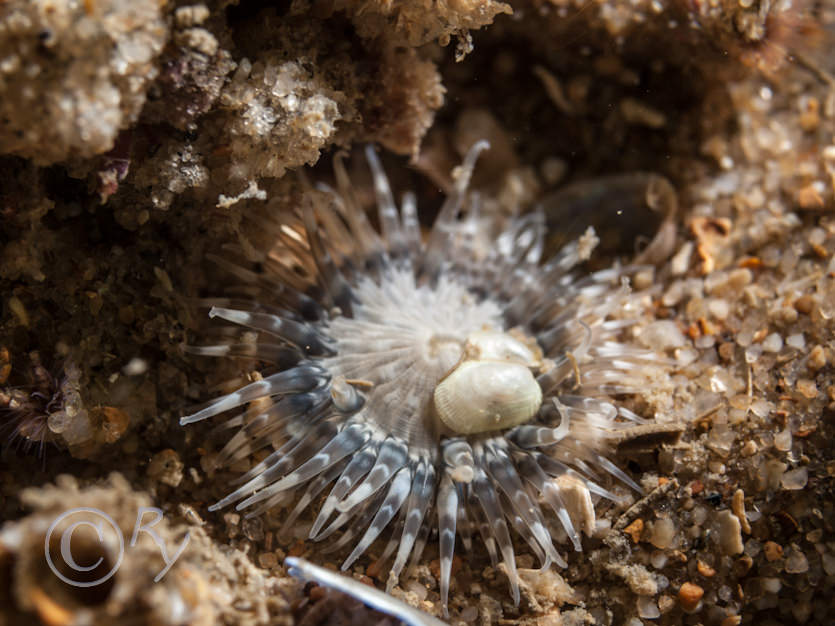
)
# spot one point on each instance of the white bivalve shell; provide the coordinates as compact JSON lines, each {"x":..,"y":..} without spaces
{"x":491,"y":345}
{"x":480,"y":396}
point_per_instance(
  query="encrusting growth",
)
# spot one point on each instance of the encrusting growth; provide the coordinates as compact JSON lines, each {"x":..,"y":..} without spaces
{"x":455,"y":381}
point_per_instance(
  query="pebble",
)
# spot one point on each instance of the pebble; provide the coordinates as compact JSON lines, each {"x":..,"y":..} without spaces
{"x":744,"y":338}
{"x":681,"y":261}
{"x":772,"y":551}
{"x":663,"y":532}
{"x":665,"y":603}
{"x":753,"y":548}
{"x":828,"y":562}
{"x":817,"y":358}
{"x":135,"y":367}
{"x":773,"y":343}
{"x":470,"y":614}
{"x":673,"y":294}
{"x":166,"y":467}
{"x":739,"y":278}
{"x":726,"y":351}
{"x":807,"y":388}
{"x":753,"y":353}
{"x":17,"y":307}
{"x":773,"y":471}
{"x":783,"y":440}
{"x":552,"y":170}
{"x":761,"y":407}
{"x":191,"y":15}
{"x":796,"y":562}
{"x":689,"y":596}
{"x":743,"y":565}
{"x":730,"y":533}
{"x":114,"y":423}
{"x":647,"y":608}
{"x":267,"y":560}
{"x":661,"y":335}
{"x":719,"y":308}
{"x":795,"y":479}
{"x":635,"y":529}
{"x":716,"y":281}
{"x":704,"y":569}
{"x":749,"y":449}
{"x":699,"y":515}
{"x":785,"y":314}
{"x":253,"y":529}
{"x":804,"y":304}
{"x":796,"y":341}
{"x":685,"y":356}
{"x":658,"y":559}
{"x":740,"y":401}
{"x":297,"y":549}
{"x":420,"y":590}
{"x":704,"y":342}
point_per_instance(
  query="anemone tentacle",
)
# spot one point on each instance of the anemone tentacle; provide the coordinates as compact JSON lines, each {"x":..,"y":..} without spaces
{"x":364,"y":324}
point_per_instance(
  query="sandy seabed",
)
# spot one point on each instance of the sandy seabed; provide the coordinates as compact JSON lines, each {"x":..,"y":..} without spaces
{"x":138,"y":138}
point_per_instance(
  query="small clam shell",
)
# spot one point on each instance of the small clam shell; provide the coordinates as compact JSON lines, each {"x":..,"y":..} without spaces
{"x":480,"y":396}
{"x":490,"y":345}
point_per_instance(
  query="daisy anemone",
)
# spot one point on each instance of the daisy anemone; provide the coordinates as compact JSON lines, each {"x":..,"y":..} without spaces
{"x":454,"y":381}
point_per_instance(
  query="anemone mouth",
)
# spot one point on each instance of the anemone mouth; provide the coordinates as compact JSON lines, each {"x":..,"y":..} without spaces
{"x":363,"y":325}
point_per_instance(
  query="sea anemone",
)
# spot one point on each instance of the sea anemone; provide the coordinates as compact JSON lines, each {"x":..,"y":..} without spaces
{"x":453,"y":380}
